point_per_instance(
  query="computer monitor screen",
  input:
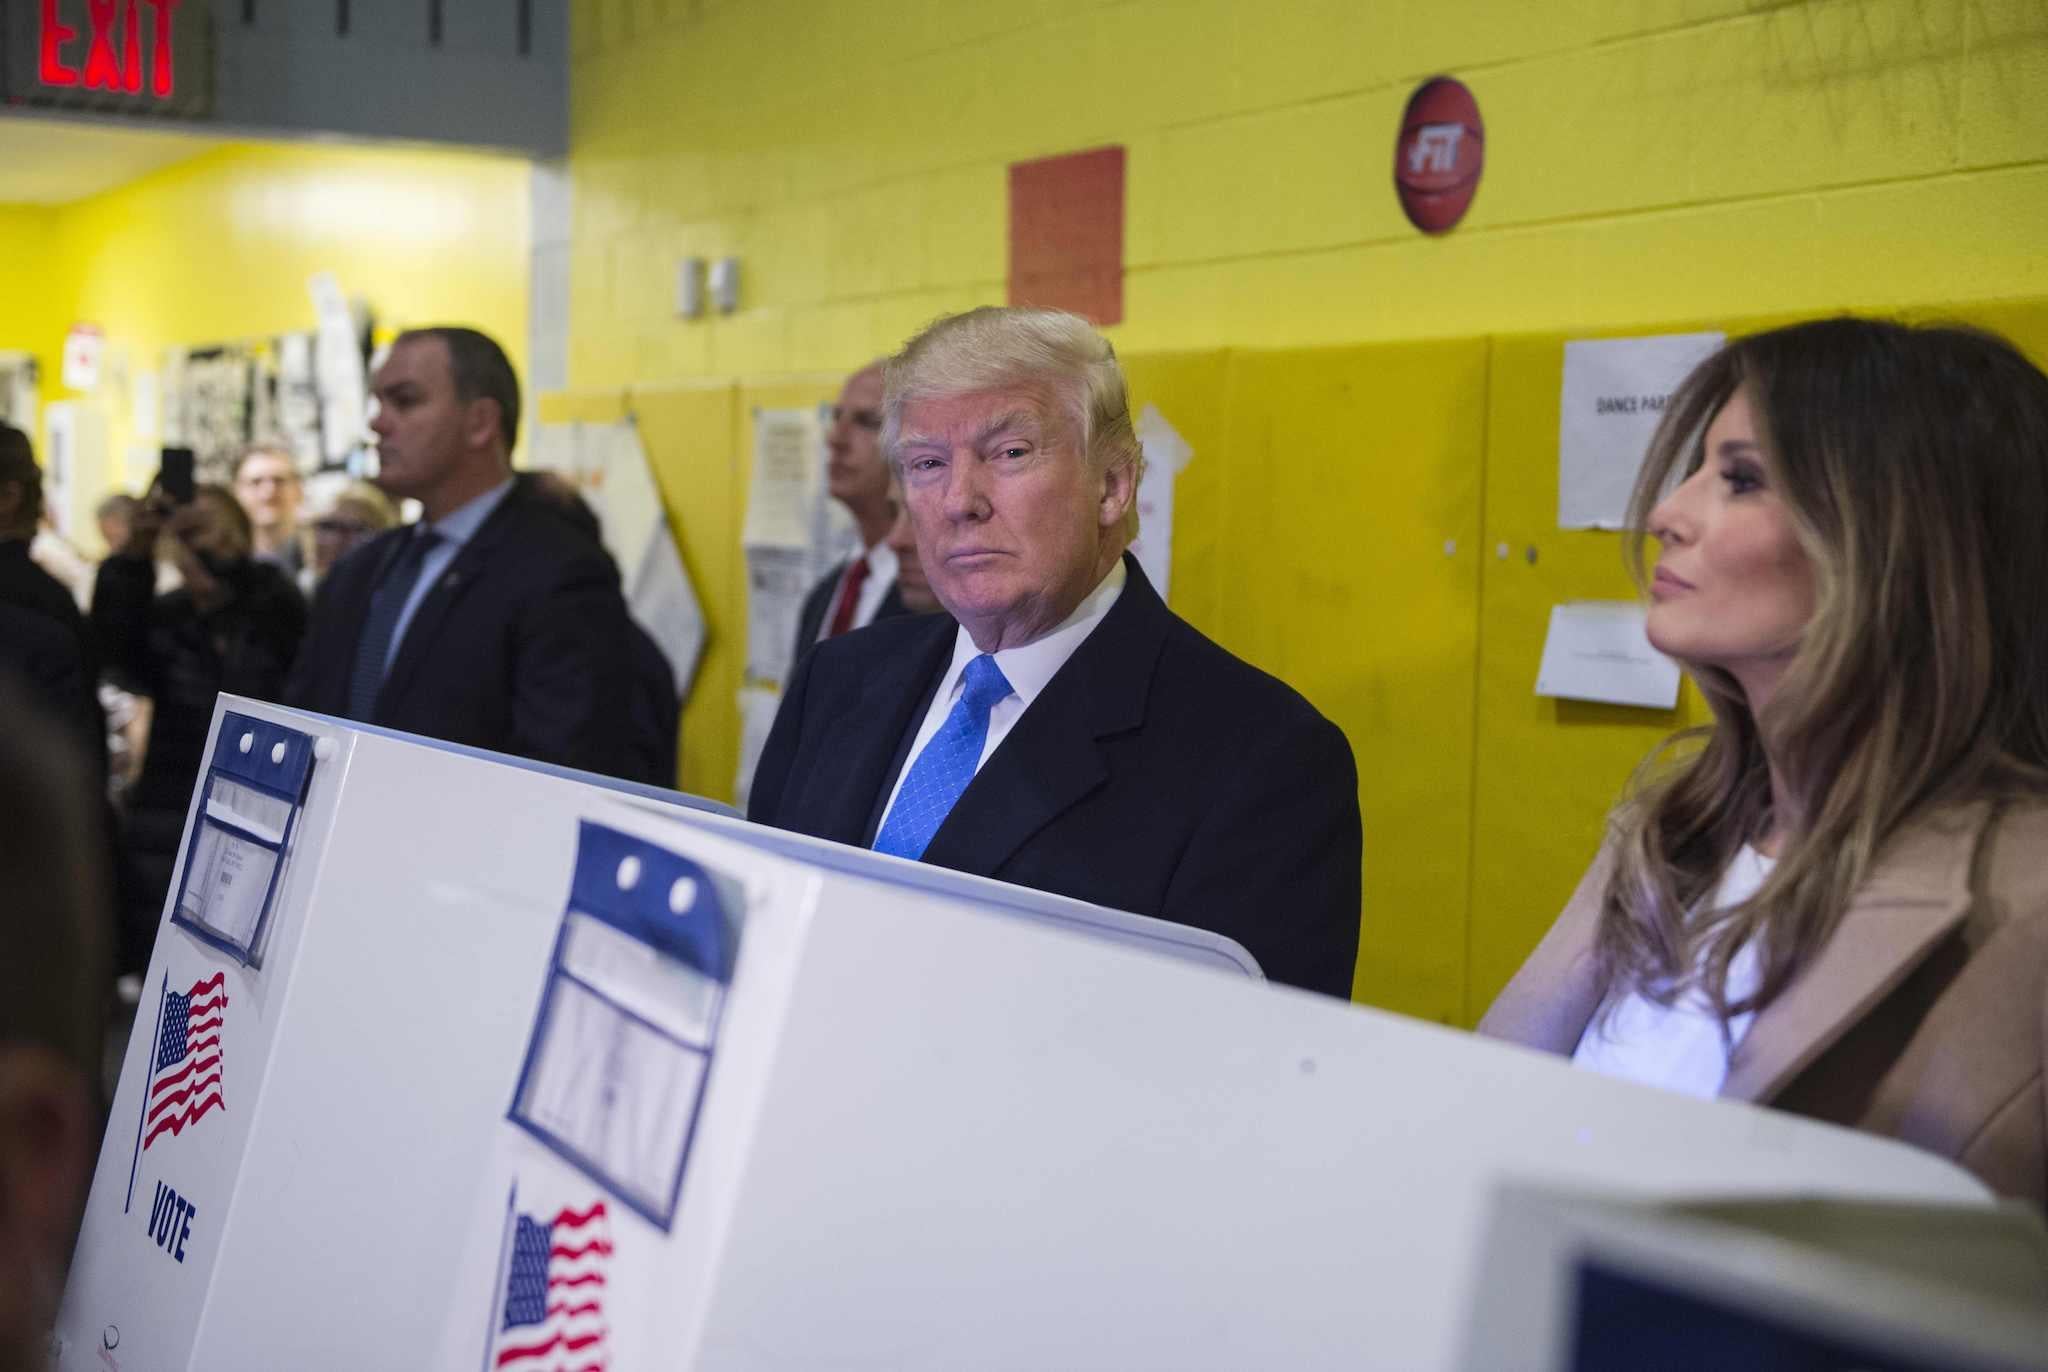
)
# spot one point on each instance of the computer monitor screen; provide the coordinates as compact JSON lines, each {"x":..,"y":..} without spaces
{"x":1627,"y":1322}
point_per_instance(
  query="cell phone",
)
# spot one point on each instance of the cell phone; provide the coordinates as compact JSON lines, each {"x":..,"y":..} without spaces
{"x":174,"y":476}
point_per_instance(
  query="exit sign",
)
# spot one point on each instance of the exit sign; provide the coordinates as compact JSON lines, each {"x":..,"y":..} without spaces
{"x":111,"y":56}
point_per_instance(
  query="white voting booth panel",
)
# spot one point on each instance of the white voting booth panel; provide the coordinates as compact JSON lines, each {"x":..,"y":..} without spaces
{"x":894,"y":1124}
{"x":354,"y":1057}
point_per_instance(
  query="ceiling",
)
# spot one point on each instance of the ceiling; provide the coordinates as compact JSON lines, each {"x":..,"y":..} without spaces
{"x":54,"y":162}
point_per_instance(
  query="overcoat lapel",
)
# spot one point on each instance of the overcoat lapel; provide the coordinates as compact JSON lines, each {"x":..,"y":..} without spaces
{"x":1916,"y":896}
{"x":1052,"y":759}
{"x":835,"y":797}
{"x":454,"y":582}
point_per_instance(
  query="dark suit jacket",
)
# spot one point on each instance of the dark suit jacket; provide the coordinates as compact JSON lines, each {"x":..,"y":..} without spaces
{"x":818,"y":604}
{"x":654,"y":708}
{"x":28,"y":588}
{"x":181,"y":656}
{"x":25,"y":584}
{"x":1156,"y":773}
{"x":520,"y":646}
{"x":50,"y":661}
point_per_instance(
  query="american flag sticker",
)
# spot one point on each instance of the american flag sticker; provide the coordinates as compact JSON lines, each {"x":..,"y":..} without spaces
{"x":553,"y":1294}
{"x":185,"y":1081}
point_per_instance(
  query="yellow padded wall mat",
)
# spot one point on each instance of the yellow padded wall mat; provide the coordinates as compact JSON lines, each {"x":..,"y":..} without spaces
{"x":1546,"y":769}
{"x":1549,"y":770}
{"x":1344,"y":512}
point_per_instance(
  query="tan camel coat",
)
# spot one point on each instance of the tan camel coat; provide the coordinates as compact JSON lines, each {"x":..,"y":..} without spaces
{"x":1925,"y":1017}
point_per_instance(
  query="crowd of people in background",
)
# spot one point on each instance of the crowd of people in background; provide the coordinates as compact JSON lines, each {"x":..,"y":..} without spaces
{"x":1833,"y":901}
{"x":496,"y":619}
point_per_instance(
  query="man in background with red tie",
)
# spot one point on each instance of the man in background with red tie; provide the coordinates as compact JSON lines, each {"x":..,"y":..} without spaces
{"x":861,"y":589}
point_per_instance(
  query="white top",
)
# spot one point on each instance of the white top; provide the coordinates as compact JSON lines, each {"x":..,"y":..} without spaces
{"x":882,"y":563}
{"x":1027,"y":668}
{"x":1679,"y":1047}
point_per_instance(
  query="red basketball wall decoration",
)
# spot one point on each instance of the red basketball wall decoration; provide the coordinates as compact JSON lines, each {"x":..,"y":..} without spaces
{"x":1438,"y":157}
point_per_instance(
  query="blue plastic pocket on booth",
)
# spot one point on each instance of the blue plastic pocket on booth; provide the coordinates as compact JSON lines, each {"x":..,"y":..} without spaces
{"x":249,"y":802}
{"x":628,"y":1022}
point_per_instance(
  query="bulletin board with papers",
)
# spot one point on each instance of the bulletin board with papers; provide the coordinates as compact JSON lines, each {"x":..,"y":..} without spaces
{"x":793,"y":535}
{"x":305,"y":390}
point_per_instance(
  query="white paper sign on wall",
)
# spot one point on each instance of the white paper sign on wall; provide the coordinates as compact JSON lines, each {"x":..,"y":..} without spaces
{"x":83,"y":348}
{"x":1600,"y":650}
{"x":1615,"y":390}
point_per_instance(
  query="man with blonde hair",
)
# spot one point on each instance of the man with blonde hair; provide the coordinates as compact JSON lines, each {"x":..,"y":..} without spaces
{"x":1071,"y":734}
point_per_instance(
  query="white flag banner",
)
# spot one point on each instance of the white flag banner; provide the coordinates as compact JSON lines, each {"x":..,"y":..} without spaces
{"x":1166,"y":453}
{"x":609,"y":464}
{"x":337,"y":369}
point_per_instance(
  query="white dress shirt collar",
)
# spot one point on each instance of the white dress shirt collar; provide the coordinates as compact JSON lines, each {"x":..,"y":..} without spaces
{"x":881,"y":560}
{"x":1029,"y":667}
{"x":460,"y":524}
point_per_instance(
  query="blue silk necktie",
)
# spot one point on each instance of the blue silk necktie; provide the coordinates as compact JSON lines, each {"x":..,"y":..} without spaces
{"x":941,"y":772}
{"x":373,"y":647}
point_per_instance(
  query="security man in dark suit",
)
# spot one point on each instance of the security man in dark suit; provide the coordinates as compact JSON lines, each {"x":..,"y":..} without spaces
{"x":862,"y":589}
{"x":491,"y":622}
{"x":1072,"y":733}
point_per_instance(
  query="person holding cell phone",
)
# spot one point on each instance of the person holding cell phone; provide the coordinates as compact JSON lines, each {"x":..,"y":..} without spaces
{"x":234,"y":625}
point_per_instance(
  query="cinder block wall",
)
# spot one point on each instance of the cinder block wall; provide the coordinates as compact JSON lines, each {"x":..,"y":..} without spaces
{"x":1646,"y":159}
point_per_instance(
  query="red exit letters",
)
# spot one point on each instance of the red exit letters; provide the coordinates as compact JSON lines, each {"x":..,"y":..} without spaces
{"x":114,"y":53}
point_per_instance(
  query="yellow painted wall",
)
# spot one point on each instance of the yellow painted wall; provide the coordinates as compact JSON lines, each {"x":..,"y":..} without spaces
{"x":220,"y":248}
{"x":1650,"y":164}
{"x":32,"y":317}
{"x":1645,"y":160}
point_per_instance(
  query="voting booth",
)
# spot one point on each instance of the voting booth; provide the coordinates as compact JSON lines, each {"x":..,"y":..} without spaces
{"x":448,"y":1060}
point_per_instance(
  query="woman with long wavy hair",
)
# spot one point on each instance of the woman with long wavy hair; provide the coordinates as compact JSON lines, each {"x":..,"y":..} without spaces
{"x":1834,"y":899}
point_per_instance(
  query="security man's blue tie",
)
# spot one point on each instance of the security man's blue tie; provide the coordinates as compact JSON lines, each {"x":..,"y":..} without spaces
{"x":941,"y":772}
{"x":373,"y":645}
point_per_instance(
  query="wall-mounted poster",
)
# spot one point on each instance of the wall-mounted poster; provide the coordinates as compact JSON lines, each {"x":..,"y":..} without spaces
{"x":1613,"y":394}
{"x":303,"y":391}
